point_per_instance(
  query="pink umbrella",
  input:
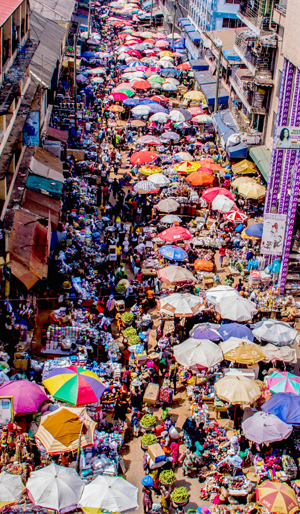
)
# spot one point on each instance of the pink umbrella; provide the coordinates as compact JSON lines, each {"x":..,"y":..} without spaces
{"x":141,"y":68}
{"x":159,"y":35}
{"x":174,"y":234}
{"x":118,"y":97}
{"x":195,"y":111}
{"x":150,"y":140}
{"x":162,"y":44}
{"x":134,"y":52}
{"x":210,"y":194}
{"x":27,"y":396}
{"x":124,"y":85}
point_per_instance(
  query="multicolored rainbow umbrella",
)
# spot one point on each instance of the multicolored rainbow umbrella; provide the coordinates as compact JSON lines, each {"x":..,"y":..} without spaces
{"x":74,"y":385}
{"x":283,"y":382}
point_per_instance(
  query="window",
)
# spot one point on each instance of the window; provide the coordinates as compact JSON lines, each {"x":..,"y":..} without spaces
{"x":231,"y":23}
{"x":278,"y":83}
{"x":237,"y":2}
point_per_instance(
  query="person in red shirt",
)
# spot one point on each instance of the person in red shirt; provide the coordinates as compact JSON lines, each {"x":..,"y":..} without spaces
{"x":221,"y":255}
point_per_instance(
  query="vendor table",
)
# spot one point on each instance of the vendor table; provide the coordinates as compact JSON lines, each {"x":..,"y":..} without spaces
{"x":65,"y":353}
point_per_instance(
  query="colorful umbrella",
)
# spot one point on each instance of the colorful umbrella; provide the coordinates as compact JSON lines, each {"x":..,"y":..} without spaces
{"x":173,"y":252}
{"x":253,"y":191}
{"x":142,"y":84}
{"x":244,"y":167}
{"x":245,"y":353}
{"x":194,"y":96}
{"x":118,"y":97}
{"x":277,"y":497}
{"x":173,"y":234}
{"x":150,"y":170}
{"x":187,"y":167}
{"x":142,"y":157}
{"x":116,"y":108}
{"x":203,"y":331}
{"x":59,"y":431}
{"x":265,"y":428}
{"x":203,"y":265}
{"x":210,"y":194}
{"x":74,"y":385}
{"x":235,"y":216}
{"x":283,"y":382}
{"x":27,"y":396}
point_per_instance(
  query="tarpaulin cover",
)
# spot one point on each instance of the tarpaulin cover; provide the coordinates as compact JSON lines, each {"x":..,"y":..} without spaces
{"x":43,"y":185}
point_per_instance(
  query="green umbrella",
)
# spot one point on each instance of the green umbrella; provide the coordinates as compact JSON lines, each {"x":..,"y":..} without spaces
{"x":127,"y":92}
{"x":160,"y":80}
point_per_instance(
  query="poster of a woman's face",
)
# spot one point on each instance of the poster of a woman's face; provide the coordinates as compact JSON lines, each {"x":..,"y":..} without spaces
{"x":288,"y":137}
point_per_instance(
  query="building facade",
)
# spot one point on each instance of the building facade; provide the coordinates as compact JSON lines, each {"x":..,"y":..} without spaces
{"x":214,"y":14}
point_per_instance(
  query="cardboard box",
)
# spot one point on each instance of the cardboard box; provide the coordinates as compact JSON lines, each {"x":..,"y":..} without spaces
{"x":21,"y":364}
{"x":156,"y":453}
{"x":151,"y":393}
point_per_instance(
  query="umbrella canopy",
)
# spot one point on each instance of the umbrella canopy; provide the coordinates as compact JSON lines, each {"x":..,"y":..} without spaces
{"x":200,"y":178}
{"x":160,"y":117}
{"x":184,"y":156}
{"x":222,"y":203}
{"x":244,"y":167}
{"x":263,"y":427}
{"x":215,"y":294}
{"x":210,"y":194}
{"x":149,"y":140}
{"x":203,"y":331}
{"x":58,"y":431}
{"x":276,"y":332}
{"x":11,"y":489}
{"x":175,"y":275}
{"x":235,"y":216}
{"x":141,"y":110}
{"x":237,"y":389}
{"x":150,"y":170}
{"x":253,"y":231}
{"x":146,"y":188}
{"x":179,"y":115}
{"x":74,"y":385}
{"x":170,"y":136}
{"x":196,"y":351}
{"x":142,"y":84}
{"x":203,"y":265}
{"x":118,"y":97}
{"x":159,"y":179}
{"x":187,"y":167}
{"x":277,"y":497}
{"x":194,"y":96}
{"x":170,"y":218}
{"x":114,"y":494}
{"x":178,"y":304}
{"x":174,"y":234}
{"x":175,"y":253}
{"x":142,"y":157}
{"x":283,"y":382}
{"x":27,"y":396}
{"x":236,"y":308}
{"x":235,"y":330}
{"x":284,"y":353}
{"x":245,"y":353}
{"x":243,"y":180}
{"x":232,"y":343}
{"x":196,"y":111}
{"x":254,"y":191}
{"x":286,"y":406}
{"x":55,"y":487}
{"x":167,"y":205}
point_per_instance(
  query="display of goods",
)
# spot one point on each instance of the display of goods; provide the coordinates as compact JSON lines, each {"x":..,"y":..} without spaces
{"x":180,"y":494}
{"x":121,"y":289}
{"x":148,"y":421}
{"x":149,"y":439}
{"x":130,"y":331}
{"x":132,"y":340}
{"x":127,"y":317}
{"x":167,"y":477}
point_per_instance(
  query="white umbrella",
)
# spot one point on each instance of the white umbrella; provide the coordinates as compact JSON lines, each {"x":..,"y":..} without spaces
{"x":175,"y":36}
{"x":284,"y":353}
{"x":167,"y":58}
{"x":55,"y":487}
{"x":167,"y":205}
{"x":178,"y":304}
{"x":133,"y":75}
{"x":114,"y":494}
{"x":232,"y":343}
{"x":170,"y":218}
{"x":145,"y":187}
{"x":141,"y":110}
{"x":203,"y":118}
{"x":177,"y":116}
{"x":166,"y":64}
{"x":122,"y":56}
{"x":264,"y":427}
{"x":167,"y":86}
{"x":236,"y":308}
{"x":196,"y":351}
{"x":184,"y":156}
{"x":159,"y":179}
{"x":215,"y":294}
{"x":161,"y":117}
{"x":11,"y":488}
{"x":222,"y":203}
{"x":171,"y":80}
{"x":276,"y":332}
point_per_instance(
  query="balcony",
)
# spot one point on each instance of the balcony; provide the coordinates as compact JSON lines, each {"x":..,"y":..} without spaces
{"x":256,"y":52}
{"x":256,"y":14}
{"x":252,"y":91}
{"x":279,"y":14}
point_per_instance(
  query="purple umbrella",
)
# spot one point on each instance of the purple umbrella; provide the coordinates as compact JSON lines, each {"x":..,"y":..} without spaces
{"x":171,"y":135}
{"x":27,"y":396}
{"x":213,"y":335}
{"x":187,"y":115}
{"x":157,"y":108}
{"x":263,"y":427}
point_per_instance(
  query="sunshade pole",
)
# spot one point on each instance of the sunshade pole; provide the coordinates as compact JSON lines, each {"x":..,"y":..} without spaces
{"x":79,"y":448}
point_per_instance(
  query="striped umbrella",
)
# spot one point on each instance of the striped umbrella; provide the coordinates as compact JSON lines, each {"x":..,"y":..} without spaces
{"x":283,"y":382}
{"x":74,"y":385}
{"x":277,"y":497}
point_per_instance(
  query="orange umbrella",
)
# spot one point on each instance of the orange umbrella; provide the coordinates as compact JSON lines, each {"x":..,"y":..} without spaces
{"x":200,"y":178}
{"x":209,"y":163}
{"x":184,"y":66}
{"x":142,"y":84}
{"x":203,"y":265}
{"x":116,"y":108}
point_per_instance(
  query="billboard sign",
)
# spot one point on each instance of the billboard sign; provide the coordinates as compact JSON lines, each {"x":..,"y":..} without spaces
{"x":288,"y":138}
{"x":273,"y":234}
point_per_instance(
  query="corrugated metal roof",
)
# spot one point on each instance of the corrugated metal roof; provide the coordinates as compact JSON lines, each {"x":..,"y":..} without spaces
{"x":55,"y":9}
{"x":7,"y":7}
{"x":51,"y":36}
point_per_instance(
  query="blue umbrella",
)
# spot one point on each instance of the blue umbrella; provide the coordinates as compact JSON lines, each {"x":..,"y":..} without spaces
{"x":81,"y":78}
{"x":255,"y":230}
{"x":286,"y":406}
{"x":239,"y":228}
{"x":148,"y":481}
{"x":175,"y":253}
{"x":87,"y":55}
{"x":169,"y":72}
{"x":132,"y":102}
{"x":146,"y":101}
{"x":209,"y":333}
{"x":235,"y":330}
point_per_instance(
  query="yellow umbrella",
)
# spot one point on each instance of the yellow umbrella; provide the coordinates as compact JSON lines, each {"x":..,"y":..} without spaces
{"x":237,"y":389}
{"x":277,"y":497}
{"x":244,"y":167}
{"x":245,"y":354}
{"x":187,"y":166}
{"x":150,"y":170}
{"x":194,"y":95}
{"x":116,"y":108}
{"x":243,"y":180}
{"x":165,"y":53}
{"x":254,"y":191}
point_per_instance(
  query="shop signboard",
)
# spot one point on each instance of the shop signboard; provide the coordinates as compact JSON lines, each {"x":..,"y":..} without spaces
{"x":6,"y":410}
{"x":31,"y":130}
{"x":273,"y":234}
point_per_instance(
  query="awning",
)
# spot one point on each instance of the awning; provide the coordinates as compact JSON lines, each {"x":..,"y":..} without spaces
{"x":261,"y":155}
{"x":230,"y":55}
{"x":45,"y":164}
{"x":59,"y":135}
{"x":41,"y":205}
{"x":189,"y":28}
{"x":45,"y":186}
{"x":29,"y":248}
{"x":209,"y":91}
{"x":204,"y":77}
{"x":199,"y":64}
{"x":195,"y":36}
{"x":184,"y":21}
{"x":226,"y":127}
{"x":239,"y":151}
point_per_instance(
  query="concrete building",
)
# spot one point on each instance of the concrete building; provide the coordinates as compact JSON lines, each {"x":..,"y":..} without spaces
{"x":214,"y":14}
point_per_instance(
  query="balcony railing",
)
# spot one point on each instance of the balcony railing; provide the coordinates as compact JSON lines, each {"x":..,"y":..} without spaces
{"x":256,"y":51}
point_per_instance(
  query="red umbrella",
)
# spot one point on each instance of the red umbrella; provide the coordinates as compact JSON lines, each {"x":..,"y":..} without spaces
{"x":152,"y":41}
{"x":184,"y":66}
{"x":118,"y":97}
{"x":174,"y":234}
{"x":143,"y":157}
{"x":205,"y":169}
{"x":134,"y":52}
{"x":210,"y":194}
{"x":142,"y":84}
{"x":236,"y":216}
{"x":159,"y":98}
